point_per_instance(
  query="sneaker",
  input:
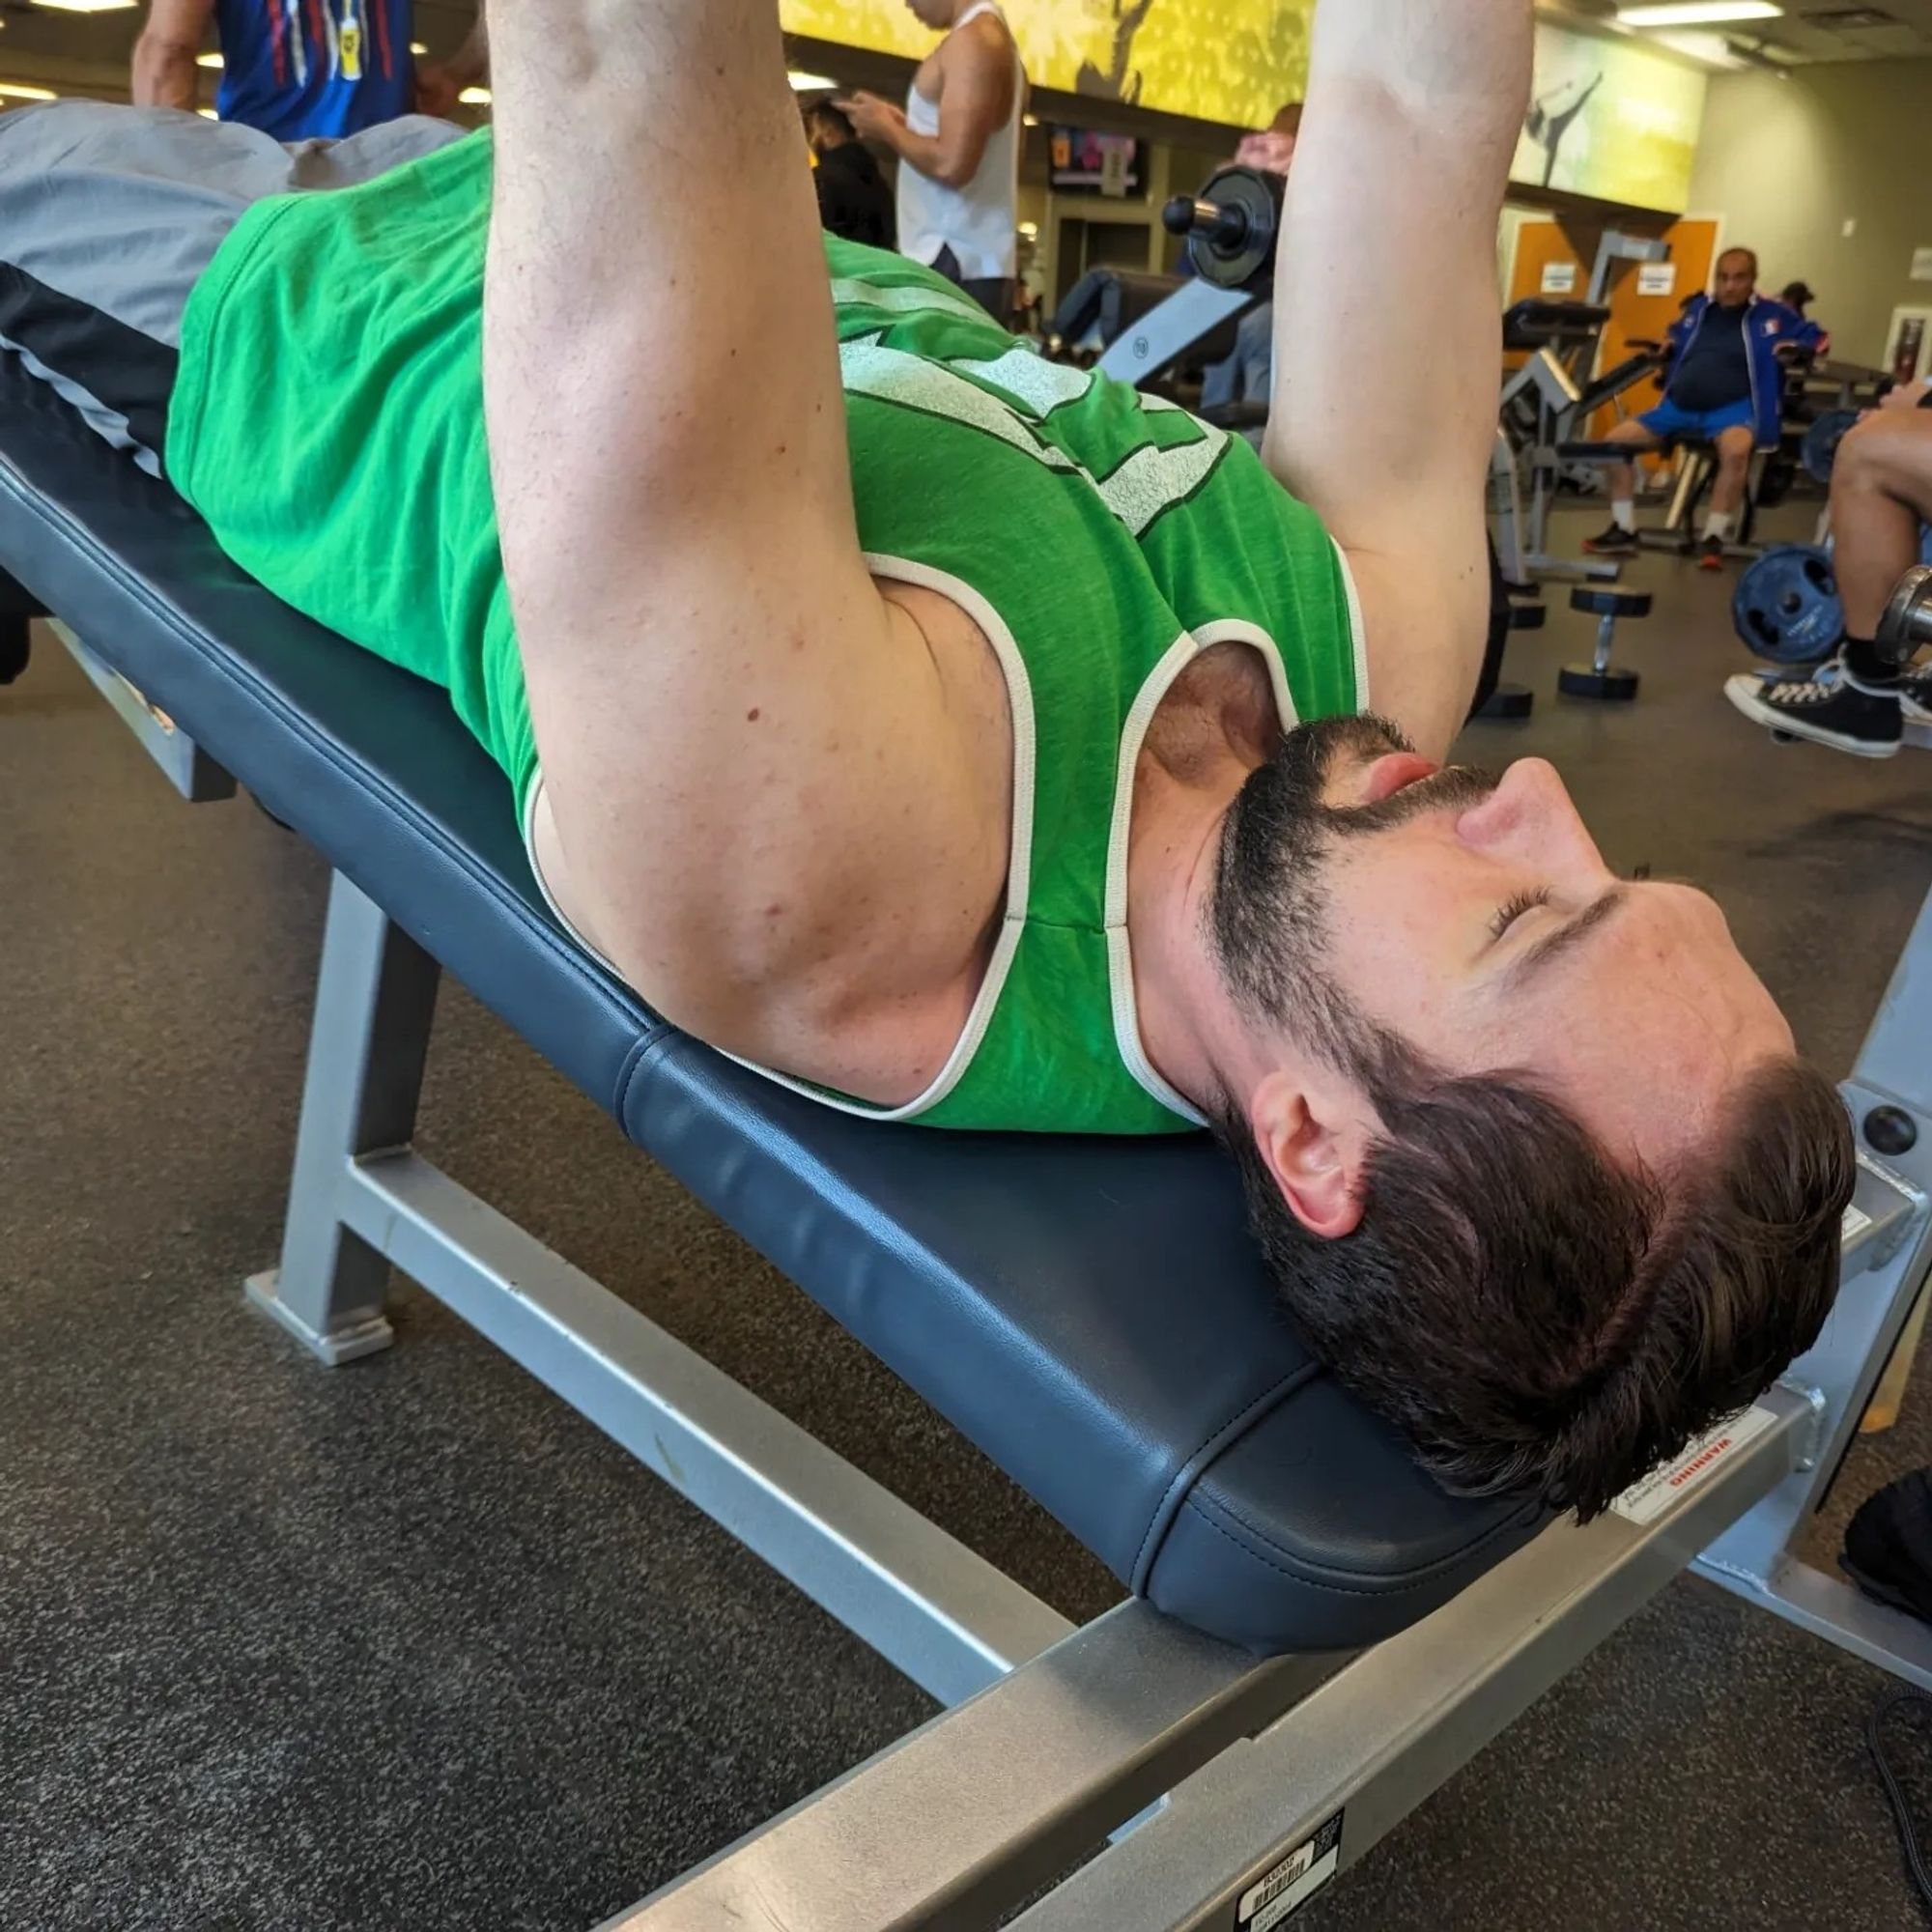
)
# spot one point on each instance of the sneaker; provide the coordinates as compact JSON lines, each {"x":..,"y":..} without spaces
{"x":1711,"y":553}
{"x":1915,"y":697}
{"x":1827,"y":709}
{"x":1888,"y":1546}
{"x":1616,"y":541}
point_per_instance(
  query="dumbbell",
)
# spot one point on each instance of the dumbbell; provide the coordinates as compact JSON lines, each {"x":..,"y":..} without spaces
{"x":1231,"y":227}
{"x":1601,"y":678}
{"x":1907,"y":623}
{"x":1511,"y":702}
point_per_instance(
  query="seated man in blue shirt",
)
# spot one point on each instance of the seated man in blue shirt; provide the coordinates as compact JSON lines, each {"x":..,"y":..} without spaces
{"x":1725,"y":388}
{"x":302,"y":70}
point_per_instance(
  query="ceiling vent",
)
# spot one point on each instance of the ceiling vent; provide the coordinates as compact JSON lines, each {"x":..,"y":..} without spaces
{"x":1849,"y":19}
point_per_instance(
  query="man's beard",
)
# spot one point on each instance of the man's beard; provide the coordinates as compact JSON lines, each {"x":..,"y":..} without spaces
{"x":1269,"y":913}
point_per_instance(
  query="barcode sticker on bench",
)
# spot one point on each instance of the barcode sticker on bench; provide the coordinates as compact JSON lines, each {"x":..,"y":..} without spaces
{"x":1285,"y":1887}
{"x":1647,"y":1500}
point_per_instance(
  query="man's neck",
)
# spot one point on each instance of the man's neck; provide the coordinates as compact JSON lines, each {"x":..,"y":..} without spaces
{"x":1188,"y":1026}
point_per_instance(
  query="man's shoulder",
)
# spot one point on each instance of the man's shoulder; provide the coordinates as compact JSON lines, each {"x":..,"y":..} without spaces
{"x":983,"y":37}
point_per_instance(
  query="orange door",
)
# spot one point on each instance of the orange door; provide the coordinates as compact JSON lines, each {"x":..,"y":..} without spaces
{"x":1541,"y":245}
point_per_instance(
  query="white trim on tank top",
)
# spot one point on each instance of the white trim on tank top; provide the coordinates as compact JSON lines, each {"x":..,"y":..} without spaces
{"x":1019,"y":861}
{"x":1182,"y":652}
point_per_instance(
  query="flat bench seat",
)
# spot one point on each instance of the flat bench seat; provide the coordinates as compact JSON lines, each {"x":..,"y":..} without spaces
{"x":1092,"y":1314}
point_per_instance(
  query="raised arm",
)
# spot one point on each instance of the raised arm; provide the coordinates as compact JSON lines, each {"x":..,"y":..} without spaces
{"x":1387,"y":340}
{"x":741,"y":742}
{"x":164,"y":55}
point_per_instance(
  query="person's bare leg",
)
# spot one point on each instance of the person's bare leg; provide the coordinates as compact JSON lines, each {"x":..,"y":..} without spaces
{"x":1621,"y":477}
{"x":1881,"y":493}
{"x":1734,"y":455}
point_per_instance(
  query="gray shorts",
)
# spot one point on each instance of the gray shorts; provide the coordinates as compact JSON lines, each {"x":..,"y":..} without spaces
{"x":109,"y":214}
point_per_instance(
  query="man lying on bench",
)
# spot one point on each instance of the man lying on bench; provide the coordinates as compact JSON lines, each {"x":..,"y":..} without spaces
{"x":987,"y":744}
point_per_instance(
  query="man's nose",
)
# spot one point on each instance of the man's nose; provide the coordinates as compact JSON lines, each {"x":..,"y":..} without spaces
{"x":1530,"y":816}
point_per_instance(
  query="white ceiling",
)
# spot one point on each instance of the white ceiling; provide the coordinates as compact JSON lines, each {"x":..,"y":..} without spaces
{"x":1818,"y":30}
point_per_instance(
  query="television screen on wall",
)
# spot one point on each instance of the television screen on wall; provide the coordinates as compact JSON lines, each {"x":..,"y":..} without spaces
{"x":1080,"y":159}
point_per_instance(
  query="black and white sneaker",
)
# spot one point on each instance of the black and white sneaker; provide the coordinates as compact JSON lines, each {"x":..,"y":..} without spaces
{"x":1915,"y":696}
{"x":1827,"y":709}
{"x":1616,"y":541}
{"x":1711,"y":553}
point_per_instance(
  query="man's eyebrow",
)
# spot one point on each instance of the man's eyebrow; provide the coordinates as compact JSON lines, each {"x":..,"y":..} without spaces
{"x":1542,"y":953}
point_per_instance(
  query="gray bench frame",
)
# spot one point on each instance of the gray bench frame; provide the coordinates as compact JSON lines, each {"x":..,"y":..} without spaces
{"x":1220,"y":1790}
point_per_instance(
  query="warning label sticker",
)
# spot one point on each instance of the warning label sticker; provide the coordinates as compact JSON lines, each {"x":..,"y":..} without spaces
{"x":1284,"y":1887}
{"x":1647,"y":1500}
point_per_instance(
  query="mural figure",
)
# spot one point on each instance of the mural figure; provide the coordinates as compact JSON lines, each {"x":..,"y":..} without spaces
{"x":1116,"y":84}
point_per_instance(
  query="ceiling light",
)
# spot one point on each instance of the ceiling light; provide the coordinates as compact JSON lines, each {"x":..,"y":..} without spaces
{"x":87,"y":6}
{"x":417,"y":47}
{"x":1697,"y":12}
{"x":1709,"y":49}
{"x":1032,"y":120}
{"x":474,"y":96}
{"x":207,"y":114}
{"x":809,"y":83}
{"x":12,"y":90}
{"x":208,"y":59}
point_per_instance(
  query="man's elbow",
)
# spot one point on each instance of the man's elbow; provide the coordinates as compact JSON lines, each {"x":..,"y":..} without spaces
{"x":156,"y":47}
{"x":163,"y":67}
{"x":959,"y":171}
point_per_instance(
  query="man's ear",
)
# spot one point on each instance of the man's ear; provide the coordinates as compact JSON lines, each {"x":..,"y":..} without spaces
{"x":1316,"y":1145}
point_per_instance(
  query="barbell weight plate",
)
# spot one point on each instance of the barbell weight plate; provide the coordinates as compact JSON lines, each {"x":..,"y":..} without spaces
{"x":1258,"y":197}
{"x":1786,"y":607}
{"x":1907,"y":622}
{"x":1820,"y":447}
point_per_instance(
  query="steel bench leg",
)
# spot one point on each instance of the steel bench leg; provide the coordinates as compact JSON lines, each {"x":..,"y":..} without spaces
{"x":375,"y":998}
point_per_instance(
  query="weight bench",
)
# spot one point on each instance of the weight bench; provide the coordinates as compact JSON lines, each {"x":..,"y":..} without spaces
{"x":1316,"y":1636}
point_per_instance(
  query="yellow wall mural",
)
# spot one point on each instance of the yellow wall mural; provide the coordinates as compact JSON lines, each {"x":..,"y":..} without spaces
{"x":1610,"y":118}
{"x":1234,"y":61}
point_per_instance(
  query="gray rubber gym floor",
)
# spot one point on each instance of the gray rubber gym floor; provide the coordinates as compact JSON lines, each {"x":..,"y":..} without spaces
{"x":410,"y":1645}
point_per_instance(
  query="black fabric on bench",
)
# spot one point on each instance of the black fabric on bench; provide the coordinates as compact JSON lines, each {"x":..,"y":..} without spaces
{"x":1090,"y":1313}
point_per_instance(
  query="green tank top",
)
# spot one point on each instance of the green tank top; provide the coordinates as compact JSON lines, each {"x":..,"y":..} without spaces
{"x":327,"y":422}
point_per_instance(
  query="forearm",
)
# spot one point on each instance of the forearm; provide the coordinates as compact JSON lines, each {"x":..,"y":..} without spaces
{"x":164,"y":74}
{"x":915,"y":150}
{"x":1459,"y":65}
{"x":1386,"y":329}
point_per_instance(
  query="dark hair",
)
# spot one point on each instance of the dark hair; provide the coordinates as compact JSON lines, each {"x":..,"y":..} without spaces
{"x":830,"y":115}
{"x":1536,"y":1318}
{"x":1287,"y":119}
{"x":1798,"y":295}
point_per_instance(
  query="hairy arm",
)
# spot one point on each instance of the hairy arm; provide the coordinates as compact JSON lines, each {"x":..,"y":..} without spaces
{"x":163,"y":68}
{"x":742,"y":750}
{"x":1387,"y":340}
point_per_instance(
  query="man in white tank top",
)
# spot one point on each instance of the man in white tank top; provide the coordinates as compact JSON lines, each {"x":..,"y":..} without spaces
{"x":959,"y":144}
